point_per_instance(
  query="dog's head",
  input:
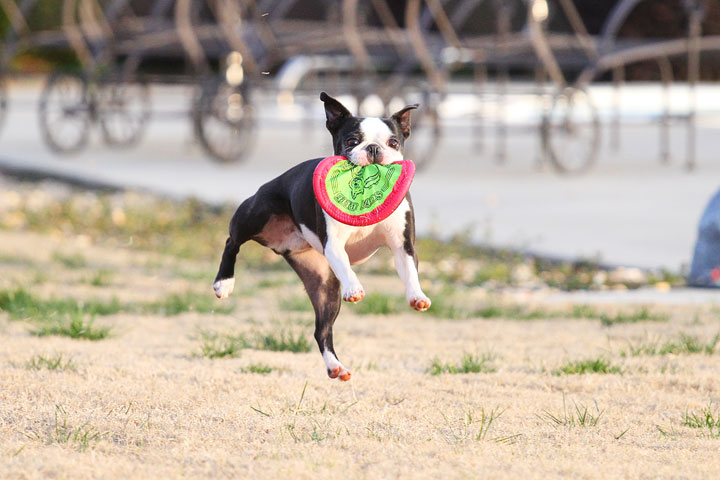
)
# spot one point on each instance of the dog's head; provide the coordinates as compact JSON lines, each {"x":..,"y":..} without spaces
{"x":367,"y":140}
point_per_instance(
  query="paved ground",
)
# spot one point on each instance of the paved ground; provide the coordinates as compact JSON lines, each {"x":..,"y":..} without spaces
{"x":629,"y":210}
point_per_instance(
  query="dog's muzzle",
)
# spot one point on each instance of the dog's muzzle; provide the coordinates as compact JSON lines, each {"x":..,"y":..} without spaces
{"x":374,"y":153}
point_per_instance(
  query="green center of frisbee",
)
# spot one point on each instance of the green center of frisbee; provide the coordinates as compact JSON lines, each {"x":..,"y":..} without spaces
{"x":357,"y":190}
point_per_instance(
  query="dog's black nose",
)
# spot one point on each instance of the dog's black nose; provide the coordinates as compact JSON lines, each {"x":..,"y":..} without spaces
{"x":374,"y":153}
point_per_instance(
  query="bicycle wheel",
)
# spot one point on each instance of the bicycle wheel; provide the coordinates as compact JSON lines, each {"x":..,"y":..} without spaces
{"x":224,"y":121}
{"x":570,"y":132}
{"x":123,"y":112}
{"x":3,"y":103}
{"x":65,"y":112}
{"x":425,"y":132}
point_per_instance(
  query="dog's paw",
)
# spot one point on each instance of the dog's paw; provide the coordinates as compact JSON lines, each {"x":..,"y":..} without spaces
{"x":335,"y":369}
{"x":223,"y":288}
{"x":354,"y":294}
{"x":340,"y":372}
{"x":420,"y":303}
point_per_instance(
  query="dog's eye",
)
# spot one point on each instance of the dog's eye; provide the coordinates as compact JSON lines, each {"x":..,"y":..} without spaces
{"x":352,"y":142}
{"x":394,"y":144}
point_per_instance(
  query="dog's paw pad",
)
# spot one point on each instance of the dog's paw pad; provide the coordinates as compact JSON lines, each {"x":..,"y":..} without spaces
{"x":223,"y":288}
{"x":354,"y":295}
{"x":340,"y":372}
{"x":420,"y":303}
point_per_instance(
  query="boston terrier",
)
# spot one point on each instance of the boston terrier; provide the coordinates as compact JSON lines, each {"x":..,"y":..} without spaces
{"x":284,"y":215}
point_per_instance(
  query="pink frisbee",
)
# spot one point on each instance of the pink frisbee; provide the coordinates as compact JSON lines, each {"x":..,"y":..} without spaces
{"x":361,"y":196}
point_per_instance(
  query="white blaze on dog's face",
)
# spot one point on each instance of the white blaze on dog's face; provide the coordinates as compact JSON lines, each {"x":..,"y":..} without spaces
{"x":367,"y":140}
{"x":373,"y":142}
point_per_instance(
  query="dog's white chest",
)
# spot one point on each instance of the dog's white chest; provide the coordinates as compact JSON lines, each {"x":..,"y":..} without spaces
{"x":361,"y":242}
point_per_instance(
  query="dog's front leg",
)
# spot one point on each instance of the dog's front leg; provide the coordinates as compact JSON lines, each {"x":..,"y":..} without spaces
{"x":406,"y":266}
{"x":337,"y":257}
{"x":400,"y":238}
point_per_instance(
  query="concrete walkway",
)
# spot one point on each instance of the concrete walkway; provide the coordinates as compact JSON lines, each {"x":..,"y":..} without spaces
{"x":629,"y":210}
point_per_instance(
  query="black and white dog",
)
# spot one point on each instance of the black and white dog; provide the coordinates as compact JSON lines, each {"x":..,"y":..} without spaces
{"x":284,"y":215}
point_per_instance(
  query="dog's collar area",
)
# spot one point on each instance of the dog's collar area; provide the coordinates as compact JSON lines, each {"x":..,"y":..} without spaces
{"x":361,"y":195}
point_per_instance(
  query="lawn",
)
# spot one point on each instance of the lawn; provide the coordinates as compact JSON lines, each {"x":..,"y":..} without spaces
{"x":118,"y":362}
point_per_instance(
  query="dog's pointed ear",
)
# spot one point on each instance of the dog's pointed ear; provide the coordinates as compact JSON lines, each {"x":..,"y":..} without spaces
{"x":402,"y":118}
{"x":335,"y":112}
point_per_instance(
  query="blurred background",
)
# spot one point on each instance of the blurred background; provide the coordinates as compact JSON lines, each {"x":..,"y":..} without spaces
{"x":573,"y":130}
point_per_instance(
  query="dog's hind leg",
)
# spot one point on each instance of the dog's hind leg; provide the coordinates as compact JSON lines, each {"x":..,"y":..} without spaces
{"x":323,"y":288}
{"x":248,"y":220}
{"x":225,"y":281}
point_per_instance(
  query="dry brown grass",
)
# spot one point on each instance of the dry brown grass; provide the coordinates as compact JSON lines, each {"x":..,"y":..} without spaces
{"x":145,"y":404}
